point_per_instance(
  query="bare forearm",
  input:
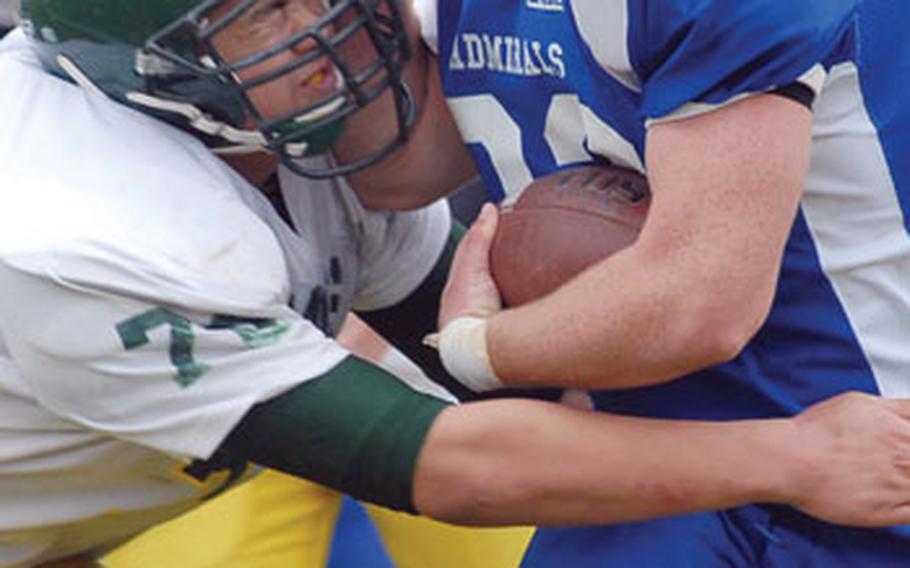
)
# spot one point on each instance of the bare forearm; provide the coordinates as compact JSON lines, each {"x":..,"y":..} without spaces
{"x":625,"y":323}
{"x":580,"y":467}
{"x":699,"y":281}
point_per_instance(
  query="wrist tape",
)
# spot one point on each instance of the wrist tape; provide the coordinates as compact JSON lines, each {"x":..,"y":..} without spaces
{"x":463,"y":349}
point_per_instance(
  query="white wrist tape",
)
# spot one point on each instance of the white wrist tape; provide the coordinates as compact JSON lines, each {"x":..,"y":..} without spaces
{"x":463,"y":350}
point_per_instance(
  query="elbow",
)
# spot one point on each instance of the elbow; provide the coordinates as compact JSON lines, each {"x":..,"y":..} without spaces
{"x":720,"y":326}
{"x":455,"y":479}
{"x":719,"y":345}
{"x":459,"y":498}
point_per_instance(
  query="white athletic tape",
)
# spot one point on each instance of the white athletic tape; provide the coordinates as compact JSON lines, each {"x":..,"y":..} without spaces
{"x":463,"y":350}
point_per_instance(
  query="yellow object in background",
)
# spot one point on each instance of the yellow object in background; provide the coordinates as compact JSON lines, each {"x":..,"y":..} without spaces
{"x":419,"y":542}
{"x":278,"y":521}
{"x":273,"y":520}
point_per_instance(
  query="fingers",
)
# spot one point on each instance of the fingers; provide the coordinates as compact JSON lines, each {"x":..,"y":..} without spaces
{"x":486,"y":222}
{"x":470,"y":290}
{"x":473,"y":253}
{"x":485,"y":229}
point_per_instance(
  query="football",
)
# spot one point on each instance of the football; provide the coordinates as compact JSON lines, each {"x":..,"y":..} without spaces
{"x":561,"y":224}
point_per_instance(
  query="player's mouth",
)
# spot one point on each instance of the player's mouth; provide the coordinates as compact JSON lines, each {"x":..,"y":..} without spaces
{"x":321,"y":84}
{"x":319,"y":81}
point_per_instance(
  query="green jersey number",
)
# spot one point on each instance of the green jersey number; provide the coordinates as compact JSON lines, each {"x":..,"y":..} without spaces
{"x":255,"y":332}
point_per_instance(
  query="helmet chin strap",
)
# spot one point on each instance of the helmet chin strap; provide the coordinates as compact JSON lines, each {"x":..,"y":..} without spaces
{"x":243,"y":141}
{"x":78,"y":76}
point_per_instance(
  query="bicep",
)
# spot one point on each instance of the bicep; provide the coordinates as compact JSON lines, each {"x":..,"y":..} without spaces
{"x":726,"y":187}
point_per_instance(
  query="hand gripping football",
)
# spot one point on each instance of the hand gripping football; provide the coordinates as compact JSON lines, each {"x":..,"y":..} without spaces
{"x":563,"y":223}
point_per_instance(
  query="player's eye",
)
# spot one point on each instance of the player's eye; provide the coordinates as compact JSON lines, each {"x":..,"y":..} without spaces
{"x":274,"y":4}
{"x":266,"y":9}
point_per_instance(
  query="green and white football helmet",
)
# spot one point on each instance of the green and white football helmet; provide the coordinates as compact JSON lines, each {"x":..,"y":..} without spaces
{"x":158,"y":56}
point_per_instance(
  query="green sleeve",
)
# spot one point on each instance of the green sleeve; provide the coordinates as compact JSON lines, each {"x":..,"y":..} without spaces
{"x":356,"y":429}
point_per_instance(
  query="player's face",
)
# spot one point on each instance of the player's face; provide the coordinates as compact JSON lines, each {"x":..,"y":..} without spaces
{"x":270,"y":22}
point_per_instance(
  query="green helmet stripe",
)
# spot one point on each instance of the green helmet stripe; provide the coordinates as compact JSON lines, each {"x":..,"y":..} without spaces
{"x":112,"y":21}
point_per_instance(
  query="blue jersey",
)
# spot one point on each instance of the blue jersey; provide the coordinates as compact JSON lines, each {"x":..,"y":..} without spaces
{"x":538,"y":85}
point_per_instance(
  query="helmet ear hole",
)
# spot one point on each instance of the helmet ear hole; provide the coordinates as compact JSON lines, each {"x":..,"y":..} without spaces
{"x":158,"y":57}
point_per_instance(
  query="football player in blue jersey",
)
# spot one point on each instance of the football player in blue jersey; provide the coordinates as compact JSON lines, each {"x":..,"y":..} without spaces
{"x":774,"y":268}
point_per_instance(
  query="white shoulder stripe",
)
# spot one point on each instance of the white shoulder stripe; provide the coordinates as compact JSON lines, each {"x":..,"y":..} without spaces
{"x":814,"y":78}
{"x":690,"y":110}
{"x":859,"y":229}
{"x":604,"y":26}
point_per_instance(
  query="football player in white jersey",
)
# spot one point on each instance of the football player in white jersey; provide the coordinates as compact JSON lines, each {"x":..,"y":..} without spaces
{"x":162,"y":325}
{"x":774,"y":268}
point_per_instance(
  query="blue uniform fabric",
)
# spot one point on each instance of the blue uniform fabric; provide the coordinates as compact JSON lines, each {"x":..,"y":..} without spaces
{"x":746,"y":537}
{"x":356,"y":542}
{"x":539,"y":85}
{"x":672,"y":52}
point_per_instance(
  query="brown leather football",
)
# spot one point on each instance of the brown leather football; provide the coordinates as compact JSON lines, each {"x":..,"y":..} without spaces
{"x":563,"y":223}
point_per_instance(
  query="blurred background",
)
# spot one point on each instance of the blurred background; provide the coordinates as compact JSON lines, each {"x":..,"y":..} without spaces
{"x":8,"y":10}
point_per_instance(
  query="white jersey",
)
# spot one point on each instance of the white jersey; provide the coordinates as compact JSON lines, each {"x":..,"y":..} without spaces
{"x":148,"y":301}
